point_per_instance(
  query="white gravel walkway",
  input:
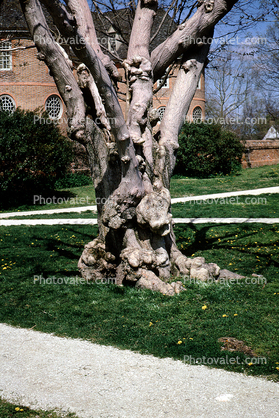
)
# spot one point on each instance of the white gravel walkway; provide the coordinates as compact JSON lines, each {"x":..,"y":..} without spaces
{"x":48,"y":211}
{"x":80,"y":221}
{"x":43,"y":371}
{"x":255,"y":192}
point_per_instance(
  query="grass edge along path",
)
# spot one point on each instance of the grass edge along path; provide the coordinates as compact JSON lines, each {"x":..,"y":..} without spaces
{"x":16,"y":410}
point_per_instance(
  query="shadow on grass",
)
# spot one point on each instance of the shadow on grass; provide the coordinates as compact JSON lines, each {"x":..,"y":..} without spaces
{"x":25,"y":200}
{"x":242,"y":245}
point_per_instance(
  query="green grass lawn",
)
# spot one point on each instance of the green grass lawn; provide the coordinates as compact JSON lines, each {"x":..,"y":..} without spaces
{"x":144,"y":321}
{"x":267,"y":176}
{"x":263,"y":206}
{"x":9,"y":410}
{"x":66,"y":215}
{"x":256,"y":178}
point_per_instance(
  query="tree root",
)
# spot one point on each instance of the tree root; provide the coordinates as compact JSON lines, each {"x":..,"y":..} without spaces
{"x":147,"y":264}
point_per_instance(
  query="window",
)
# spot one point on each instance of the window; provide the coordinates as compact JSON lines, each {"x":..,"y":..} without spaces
{"x":7,"y":103}
{"x":161,"y":111}
{"x":164,"y":84}
{"x":112,"y":42}
{"x":5,"y":56}
{"x":199,"y":84}
{"x":197,"y":114}
{"x":54,"y":107}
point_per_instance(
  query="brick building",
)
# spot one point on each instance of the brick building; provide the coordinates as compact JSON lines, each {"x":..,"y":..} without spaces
{"x":25,"y":81}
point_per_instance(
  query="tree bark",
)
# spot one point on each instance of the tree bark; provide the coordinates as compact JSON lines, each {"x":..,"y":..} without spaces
{"x":131,"y":162}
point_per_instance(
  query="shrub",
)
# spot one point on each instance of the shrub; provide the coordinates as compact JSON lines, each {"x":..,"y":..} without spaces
{"x":207,"y":150}
{"x":32,"y":155}
{"x":73,"y":180}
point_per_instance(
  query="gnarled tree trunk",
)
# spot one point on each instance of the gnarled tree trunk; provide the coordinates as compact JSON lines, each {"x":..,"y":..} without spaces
{"x":131,"y":161}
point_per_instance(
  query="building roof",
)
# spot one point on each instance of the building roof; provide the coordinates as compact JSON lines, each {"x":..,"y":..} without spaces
{"x":12,"y":21}
{"x":271,"y":134}
{"x":13,"y":24}
{"x":121,"y":22}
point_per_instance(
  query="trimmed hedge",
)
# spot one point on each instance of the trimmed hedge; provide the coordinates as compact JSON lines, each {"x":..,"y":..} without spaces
{"x":207,"y":150}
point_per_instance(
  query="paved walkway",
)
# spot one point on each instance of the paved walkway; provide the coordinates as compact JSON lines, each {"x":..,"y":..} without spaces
{"x":43,"y":371}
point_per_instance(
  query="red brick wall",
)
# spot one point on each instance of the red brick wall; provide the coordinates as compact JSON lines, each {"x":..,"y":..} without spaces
{"x":261,"y":153}
{"x":29,"y":82}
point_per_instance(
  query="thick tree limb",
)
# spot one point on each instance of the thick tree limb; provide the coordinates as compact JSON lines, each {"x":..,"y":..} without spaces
{"x":178,"y":106}
{"x":50,"y":52}
{"x":87,"y":55}
{"x":86,"y":81}
{"x":81,"y":11}
{"x":140,"y":35}
{"x":205,"y":18}
{"x":139,"y":71}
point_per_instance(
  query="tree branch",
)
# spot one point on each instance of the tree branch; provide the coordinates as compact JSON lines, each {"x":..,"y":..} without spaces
{"x":177,"y":109}
{"x":139,"y":71}
{"x":188,"y":33}
{"x":81,"y":11}
{"x":141,"y":30}
{"x":50,"y":52}
{"x":129,"y":163}
{"x":87,"y":55}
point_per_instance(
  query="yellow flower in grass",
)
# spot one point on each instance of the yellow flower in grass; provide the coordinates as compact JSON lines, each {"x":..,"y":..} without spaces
{"x":204,"y":307}
{"x":235,"y":314}
{"x":250,"y":364}
{"x":150,"y":323}
{"x":179,"y":342}
{"x":224,"y":316}
{"x":17,"y":409}
{"x":277,"y":368}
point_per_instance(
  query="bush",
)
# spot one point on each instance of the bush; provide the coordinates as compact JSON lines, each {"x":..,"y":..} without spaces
{"x":33,"y":156}
{"x":73,"y":180}
{"x":207,"y":150}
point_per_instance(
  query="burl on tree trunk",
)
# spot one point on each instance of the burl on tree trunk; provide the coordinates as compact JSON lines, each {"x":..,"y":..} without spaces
{"x":131,"y":161}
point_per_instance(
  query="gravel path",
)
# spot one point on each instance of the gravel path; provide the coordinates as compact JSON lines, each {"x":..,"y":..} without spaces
{"x":44,"y":371}
{"x":254,"y":192}
{"x":81,"y":221}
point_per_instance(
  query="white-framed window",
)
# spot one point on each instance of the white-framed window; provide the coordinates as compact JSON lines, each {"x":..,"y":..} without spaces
{"x":54,"y":107}
{"x":197,"y":114}
{"x":199,"y":84}
{"x":7,"y":103}
{"x":6,"y":63}
{"x":165,"y":84}
{"x":112,"y":47}
{"x":161,"y":111}
{"x":114,"y":40}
